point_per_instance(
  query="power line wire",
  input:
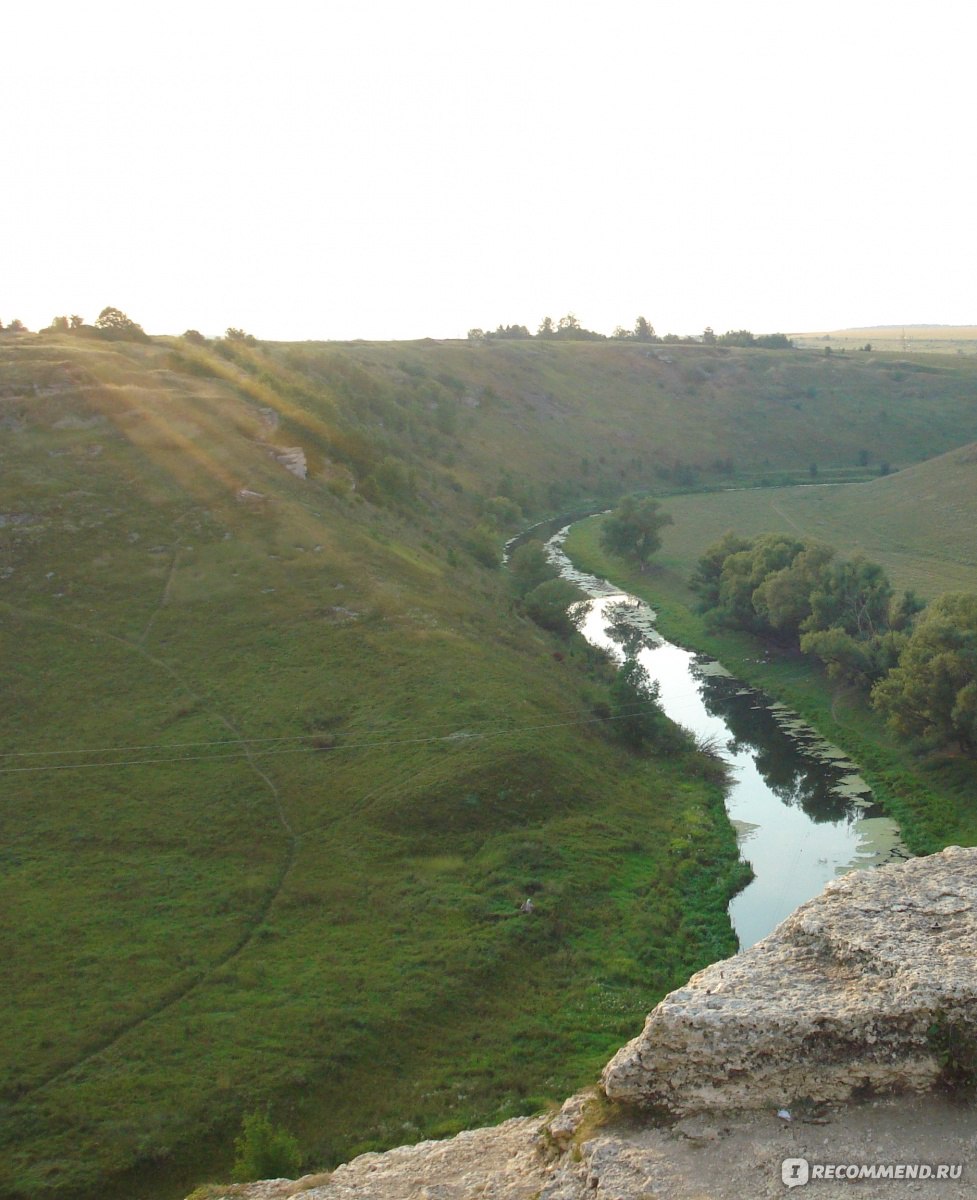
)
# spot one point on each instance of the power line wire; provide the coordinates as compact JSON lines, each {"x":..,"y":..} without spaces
{"x":458,"y":737}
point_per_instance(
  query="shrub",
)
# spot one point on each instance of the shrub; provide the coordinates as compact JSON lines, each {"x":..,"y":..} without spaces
{"x":264,"y":1151}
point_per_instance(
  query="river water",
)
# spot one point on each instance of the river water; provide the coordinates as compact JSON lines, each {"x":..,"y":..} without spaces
{"x":802,"y":813}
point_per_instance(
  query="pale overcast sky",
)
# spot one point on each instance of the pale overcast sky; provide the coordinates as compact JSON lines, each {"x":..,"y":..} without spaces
{"x":399,"y":170}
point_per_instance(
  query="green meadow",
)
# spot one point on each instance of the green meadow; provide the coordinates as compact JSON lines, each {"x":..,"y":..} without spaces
{"x":282,"y":757}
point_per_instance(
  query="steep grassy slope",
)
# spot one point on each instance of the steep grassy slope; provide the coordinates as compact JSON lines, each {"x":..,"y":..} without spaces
{"x":614,"y":415}
{"x":281,"y":758}
{"x":280,"y":764}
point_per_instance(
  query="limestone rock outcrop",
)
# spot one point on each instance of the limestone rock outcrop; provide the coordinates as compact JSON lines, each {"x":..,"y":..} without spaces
{"x":863,"y":990}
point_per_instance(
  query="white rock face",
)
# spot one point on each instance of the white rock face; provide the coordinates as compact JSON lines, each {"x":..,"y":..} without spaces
{"x":837,"y":1002}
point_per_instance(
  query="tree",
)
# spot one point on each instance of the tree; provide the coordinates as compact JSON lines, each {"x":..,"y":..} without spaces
{"x":264,"y":1151}
{"x":638,"y":719}
{"x":932,"y":693}
{"x":529,"y":567}
{"x":644,"y":331}
{"x":633,"y":529}
{"x":853,"y":595}
{"x":233,"y":334}
{"x":546,"y":329}
{"x":783,"y":599}
{"x":17,"y":326}
{"x":556,"y":605}
{"x":113,"y":323}
{"x":709,"y":569}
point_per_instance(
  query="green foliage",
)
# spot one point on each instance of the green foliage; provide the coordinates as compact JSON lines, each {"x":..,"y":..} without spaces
{"x":707,"y":576}
{"x":482,"y":544}
{"x":390,"y":482}
{"x":112,"y":323}
{"x":637,"y":718}
{"x":932,"y":694}
{"x":265,"y":1151}
{"x":854,"y":595}
{"x":842,"y":611}
{"x":529,"y":567}
{"x":932,"y":799}
{"x":954,"y":1045}
{"x":553,"y":605}
{"x":783,"y":598}
{"x":233,"y":334}
{"x":633,"y":529}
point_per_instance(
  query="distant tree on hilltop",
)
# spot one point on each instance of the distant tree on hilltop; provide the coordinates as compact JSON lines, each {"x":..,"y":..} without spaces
{"x":113,"y":323}
{"x":233,"y":334}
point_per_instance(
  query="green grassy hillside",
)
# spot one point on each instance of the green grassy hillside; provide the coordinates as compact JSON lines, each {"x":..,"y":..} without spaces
{"x":280,"y":763}
{"x":919,"y":522}
{"x":617,"y":415}
{"x":281,"y":758}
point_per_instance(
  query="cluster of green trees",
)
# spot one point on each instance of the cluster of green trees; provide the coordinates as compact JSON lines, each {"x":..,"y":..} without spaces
{"x":919,"y":665}
{"x":569,"y":327}
{"x":552,"y":602}
{"x":111,"y":323}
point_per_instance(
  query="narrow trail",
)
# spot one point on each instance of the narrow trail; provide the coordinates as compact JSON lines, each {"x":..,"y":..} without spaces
{"x":181,"y":991}
{"x":788,"y":518}
{"x":163,"y":600}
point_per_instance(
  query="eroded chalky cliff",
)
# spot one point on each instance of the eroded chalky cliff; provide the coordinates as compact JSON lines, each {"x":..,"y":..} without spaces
{"x":866,"y":998}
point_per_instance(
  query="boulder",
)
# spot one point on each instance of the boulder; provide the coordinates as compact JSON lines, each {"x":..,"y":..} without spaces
{"x":870,"y":988}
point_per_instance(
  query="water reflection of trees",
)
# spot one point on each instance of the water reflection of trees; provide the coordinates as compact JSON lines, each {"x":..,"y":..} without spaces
{"x":791,"y":775}
{"x":629,"y":638}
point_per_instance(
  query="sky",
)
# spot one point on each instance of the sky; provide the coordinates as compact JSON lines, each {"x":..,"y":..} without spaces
{"x":399,"y":170}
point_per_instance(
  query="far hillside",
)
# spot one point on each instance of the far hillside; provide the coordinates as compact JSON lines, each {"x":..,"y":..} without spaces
{"x":556,"y":421}
{"x":900,"y":339}
{"x":919,"y":523}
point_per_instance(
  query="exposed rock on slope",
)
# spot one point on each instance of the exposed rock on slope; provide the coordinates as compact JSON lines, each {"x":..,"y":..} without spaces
{"x":869,"y":988}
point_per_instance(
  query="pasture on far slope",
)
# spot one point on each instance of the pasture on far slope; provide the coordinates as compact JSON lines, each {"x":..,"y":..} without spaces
{"x":918,"y":523}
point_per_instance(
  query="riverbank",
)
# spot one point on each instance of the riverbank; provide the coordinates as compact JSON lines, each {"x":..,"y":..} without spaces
{"x":932,"y":799}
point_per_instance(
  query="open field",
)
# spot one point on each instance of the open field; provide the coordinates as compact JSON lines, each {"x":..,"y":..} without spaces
{"x":282,"y":757}
{"x":896,"y":339}
{"x":918,"y":523}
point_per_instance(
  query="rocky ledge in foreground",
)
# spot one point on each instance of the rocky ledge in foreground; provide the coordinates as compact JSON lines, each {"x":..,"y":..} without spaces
{"x":869,"y":989}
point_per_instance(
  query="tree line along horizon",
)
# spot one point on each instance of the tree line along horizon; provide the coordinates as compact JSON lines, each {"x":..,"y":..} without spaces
{"x":569,"y":327}
{"x":113,"y":323}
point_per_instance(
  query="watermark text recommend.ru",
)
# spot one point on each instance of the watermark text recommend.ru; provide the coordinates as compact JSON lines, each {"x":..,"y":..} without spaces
{"x":797,"y":1171}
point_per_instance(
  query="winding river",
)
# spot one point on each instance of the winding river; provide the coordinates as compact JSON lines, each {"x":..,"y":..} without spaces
{"x":801,"y":811}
